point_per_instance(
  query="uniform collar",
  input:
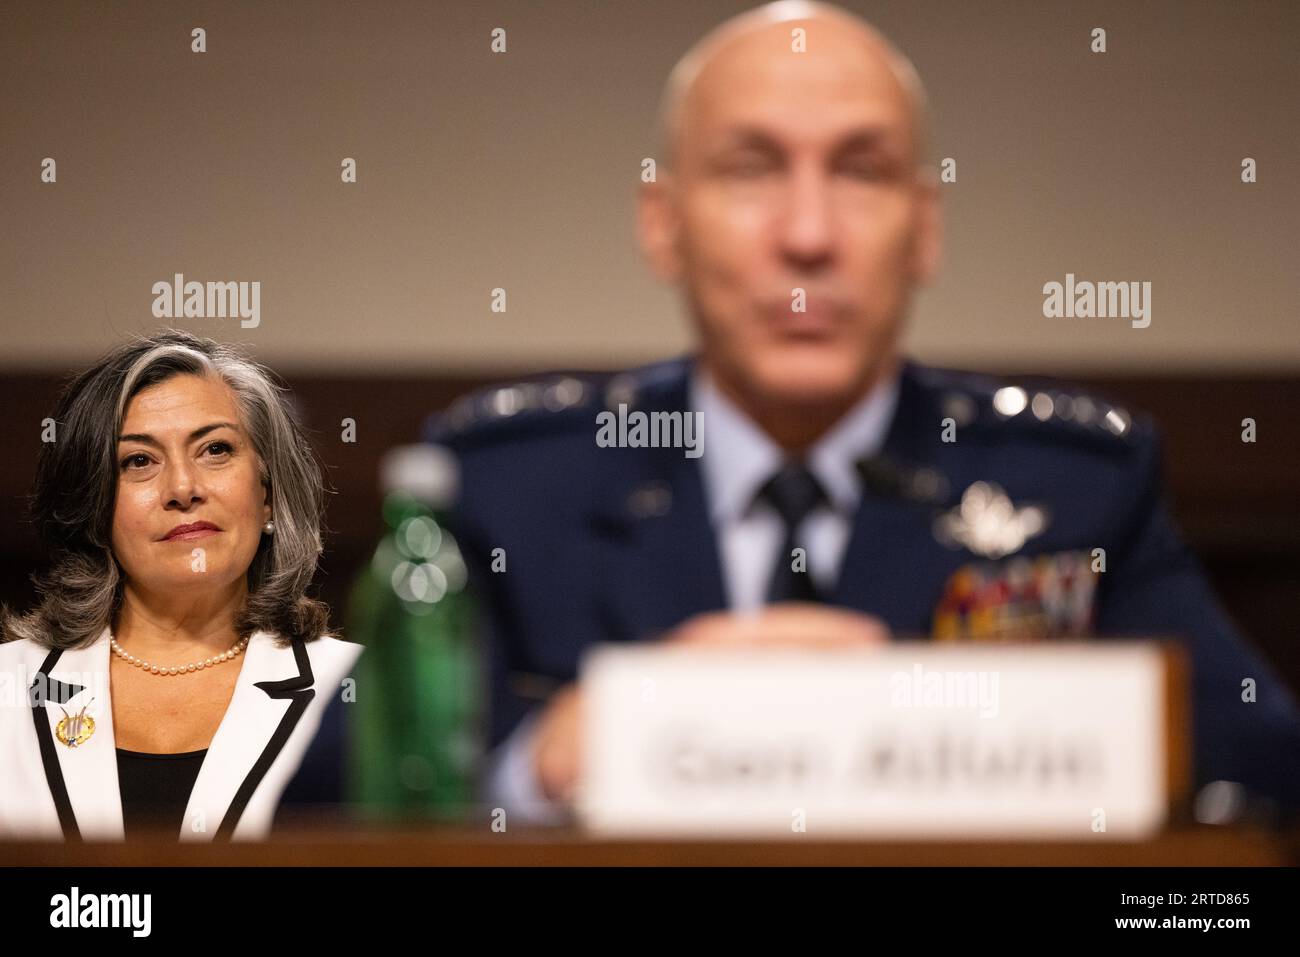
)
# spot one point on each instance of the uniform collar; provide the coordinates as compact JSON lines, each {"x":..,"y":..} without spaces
{"x":739,"y":456}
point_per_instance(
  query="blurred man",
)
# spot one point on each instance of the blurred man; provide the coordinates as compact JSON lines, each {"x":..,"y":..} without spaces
{"x":841,"y":496}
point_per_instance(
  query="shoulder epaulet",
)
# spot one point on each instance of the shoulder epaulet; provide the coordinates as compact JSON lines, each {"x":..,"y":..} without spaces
{"x":552,"y":403}
{"x":1034,"y":408}
{"x":548,"y":402}
{"x":646,"y":387}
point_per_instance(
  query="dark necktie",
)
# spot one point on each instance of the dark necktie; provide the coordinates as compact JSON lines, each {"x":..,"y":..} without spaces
{"x":793,"y":492}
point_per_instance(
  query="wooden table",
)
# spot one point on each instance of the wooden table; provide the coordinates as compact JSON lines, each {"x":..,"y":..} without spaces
{"x":462,"y":846}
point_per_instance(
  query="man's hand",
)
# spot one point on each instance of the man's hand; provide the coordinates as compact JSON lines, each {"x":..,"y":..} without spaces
{"x":557,"y":743}
{"x":788,"y":625}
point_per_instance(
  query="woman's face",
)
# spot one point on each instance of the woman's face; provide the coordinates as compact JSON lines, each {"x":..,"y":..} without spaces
{"x":185,"y":459}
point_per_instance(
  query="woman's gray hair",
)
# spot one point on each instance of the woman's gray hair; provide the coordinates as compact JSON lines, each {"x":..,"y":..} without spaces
{"x":76,"y":487}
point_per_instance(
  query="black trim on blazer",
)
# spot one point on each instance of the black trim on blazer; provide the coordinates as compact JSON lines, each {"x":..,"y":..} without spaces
{"x":300,"y":691}
{"x":44,"y":737}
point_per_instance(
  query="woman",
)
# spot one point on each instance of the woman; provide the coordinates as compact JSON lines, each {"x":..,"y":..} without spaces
{"x":174,"y":672}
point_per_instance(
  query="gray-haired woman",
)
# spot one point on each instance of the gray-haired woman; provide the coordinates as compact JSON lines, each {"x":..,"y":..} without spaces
{"x":174,"y":671}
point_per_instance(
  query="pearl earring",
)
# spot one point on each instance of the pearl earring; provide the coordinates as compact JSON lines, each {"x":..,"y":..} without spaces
{"x":269,"y":528}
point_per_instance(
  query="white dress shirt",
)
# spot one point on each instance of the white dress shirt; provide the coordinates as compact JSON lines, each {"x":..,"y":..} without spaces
{"x":738,"y":459}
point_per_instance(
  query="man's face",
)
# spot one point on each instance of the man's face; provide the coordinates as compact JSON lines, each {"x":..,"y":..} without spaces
{"x":795,"y":171}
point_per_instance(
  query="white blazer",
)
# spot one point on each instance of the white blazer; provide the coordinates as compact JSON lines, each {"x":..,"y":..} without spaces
{"x":51,"y":790}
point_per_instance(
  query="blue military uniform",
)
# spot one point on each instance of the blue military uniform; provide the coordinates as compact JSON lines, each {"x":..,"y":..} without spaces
{"x":595,"y":544}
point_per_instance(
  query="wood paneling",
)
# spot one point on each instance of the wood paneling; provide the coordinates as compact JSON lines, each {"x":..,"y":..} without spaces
{"x":1235,"y":502}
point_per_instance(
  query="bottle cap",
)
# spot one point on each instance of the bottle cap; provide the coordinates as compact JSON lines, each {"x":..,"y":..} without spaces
{"x":430,"y":473}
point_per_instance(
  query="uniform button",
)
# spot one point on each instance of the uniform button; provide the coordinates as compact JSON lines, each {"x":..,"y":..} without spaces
{"x":927,"y":485}
{"x":960,"y":408}
{"x":650,"y":500}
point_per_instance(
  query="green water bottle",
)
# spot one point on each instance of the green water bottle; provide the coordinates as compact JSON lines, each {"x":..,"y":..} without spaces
{"x":416,"y":737}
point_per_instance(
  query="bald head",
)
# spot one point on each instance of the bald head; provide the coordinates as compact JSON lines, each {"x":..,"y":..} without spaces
{"x":797,"y":212}
{"x":838,"y":42}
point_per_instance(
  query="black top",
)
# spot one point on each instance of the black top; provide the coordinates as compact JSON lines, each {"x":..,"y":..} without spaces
{"x":155,"y":789}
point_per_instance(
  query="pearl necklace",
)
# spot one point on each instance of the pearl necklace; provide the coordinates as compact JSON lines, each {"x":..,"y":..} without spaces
{"x":153,"y":669}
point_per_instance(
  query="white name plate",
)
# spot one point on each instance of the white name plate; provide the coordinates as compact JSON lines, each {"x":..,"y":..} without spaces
{"x":911,"y":741}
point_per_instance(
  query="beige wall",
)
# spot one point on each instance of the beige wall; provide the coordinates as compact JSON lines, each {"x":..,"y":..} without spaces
{"x":518,"y":170}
